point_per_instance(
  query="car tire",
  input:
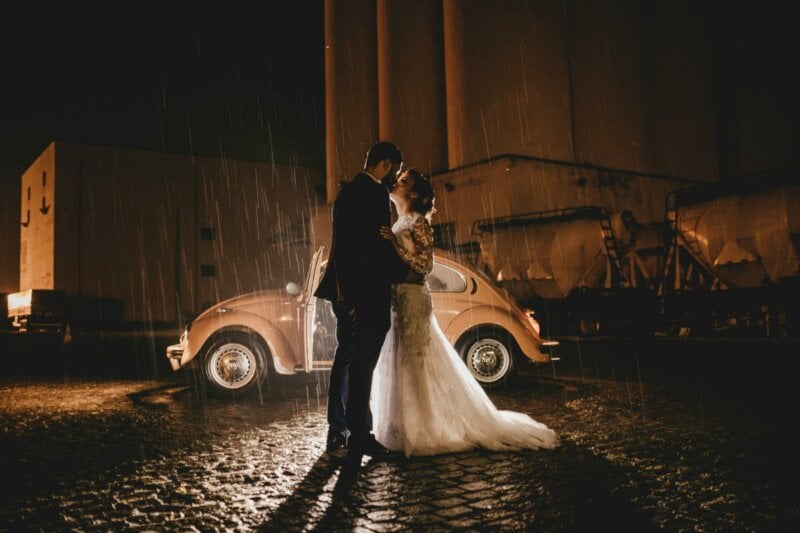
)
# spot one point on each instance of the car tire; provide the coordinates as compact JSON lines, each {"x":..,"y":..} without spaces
{"x":489,"y":356}
{"x":235,"y":363}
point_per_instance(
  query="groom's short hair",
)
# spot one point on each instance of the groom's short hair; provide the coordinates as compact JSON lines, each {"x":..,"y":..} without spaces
{"x":383,"y":150}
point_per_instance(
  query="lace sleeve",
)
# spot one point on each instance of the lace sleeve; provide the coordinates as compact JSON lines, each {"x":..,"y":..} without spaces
{"x":421,"y":260}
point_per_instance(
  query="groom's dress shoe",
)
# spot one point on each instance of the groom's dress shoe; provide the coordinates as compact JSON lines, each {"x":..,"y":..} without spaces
{"x":358,"y":448}
{"x":336,"y":443}
{"x":376,"y":450}
{"x":352,"y":459}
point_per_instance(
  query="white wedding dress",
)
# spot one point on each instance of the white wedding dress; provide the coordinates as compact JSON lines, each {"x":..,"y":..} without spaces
{"x":424,"y":400}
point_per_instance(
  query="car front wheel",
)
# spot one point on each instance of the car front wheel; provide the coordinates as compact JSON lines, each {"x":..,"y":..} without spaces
{"x":235,"y":363}
{"x":488,"y":355}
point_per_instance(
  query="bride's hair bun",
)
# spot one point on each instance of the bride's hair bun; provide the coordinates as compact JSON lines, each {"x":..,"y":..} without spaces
{"x":424,"y":202}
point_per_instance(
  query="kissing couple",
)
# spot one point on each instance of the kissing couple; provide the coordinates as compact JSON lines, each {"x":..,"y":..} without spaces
{"x":397,"y":384}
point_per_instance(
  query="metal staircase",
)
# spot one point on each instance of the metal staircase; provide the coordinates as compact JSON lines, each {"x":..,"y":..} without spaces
{"x":680,"y":241}
{"x":610,"y":243}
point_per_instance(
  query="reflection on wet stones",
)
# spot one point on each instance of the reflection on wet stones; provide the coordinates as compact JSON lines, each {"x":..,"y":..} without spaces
{"x":153,"y":456}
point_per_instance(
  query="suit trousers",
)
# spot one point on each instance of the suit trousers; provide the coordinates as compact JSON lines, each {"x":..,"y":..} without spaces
{"x":371,"y":321}
{"x":337,"y":388}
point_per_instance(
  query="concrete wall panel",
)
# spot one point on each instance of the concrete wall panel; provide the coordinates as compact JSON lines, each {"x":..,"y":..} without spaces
{"x":769,"y":112}
{"x":9,"y":234}
{"x":507,"y":80}
{"x":37,"y":236}
{"x":610,"y":101}
{"x":680,"y":86}
{"x":129,"y":225}
{"x":351,"y":88}
{"x":411,"y":81}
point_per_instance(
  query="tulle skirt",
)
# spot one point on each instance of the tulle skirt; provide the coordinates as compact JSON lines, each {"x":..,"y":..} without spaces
{"x":424,"y":399}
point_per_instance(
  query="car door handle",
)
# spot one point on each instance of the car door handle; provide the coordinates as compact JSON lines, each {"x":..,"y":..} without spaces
{"x":474,"y":286}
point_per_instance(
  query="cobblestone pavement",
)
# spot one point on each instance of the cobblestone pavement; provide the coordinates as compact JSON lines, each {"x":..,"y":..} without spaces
{"x":138,"y":455}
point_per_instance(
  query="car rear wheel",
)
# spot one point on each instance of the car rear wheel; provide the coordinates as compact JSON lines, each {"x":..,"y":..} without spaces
{"x":488,"y":354}
{"x":235,"y":363}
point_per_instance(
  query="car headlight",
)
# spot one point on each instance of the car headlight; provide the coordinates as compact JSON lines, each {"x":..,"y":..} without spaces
{"x":19,"y":303}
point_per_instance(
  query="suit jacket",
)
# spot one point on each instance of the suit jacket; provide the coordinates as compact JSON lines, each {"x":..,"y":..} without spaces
{"x":362,"y":265}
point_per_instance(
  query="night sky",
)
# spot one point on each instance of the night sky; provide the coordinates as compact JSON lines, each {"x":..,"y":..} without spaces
{"x":213,"y":82}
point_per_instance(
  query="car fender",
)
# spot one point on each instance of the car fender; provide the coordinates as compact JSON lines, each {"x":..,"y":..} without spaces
{"x":283,"y":356}
{"x":489,"y":315}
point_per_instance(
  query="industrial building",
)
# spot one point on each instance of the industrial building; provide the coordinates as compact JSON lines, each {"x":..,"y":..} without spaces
{"x":527,"y":112}
{"x":667,"y":88}
{"x":557,"y":133}
{"x":158,"y":237}
{"x":519,"y":107}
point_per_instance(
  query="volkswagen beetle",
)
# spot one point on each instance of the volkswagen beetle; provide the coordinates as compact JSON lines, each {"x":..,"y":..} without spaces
{"x":237,"y":342}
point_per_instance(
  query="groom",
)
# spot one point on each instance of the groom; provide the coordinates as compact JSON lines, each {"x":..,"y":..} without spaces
{"x":362,"y":266}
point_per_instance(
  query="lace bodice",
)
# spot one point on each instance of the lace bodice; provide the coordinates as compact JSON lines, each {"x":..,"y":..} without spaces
{"x":415,"y":242}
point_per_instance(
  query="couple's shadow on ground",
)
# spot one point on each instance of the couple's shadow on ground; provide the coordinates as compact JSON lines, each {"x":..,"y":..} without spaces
{"x":587,"y":491}
{"x":300,"y":507}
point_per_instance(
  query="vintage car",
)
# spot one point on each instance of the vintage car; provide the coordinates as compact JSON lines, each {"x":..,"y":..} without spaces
{"x":236,"y":343}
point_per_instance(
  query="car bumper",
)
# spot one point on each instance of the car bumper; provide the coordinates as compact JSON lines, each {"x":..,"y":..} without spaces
{"x":550,"y":348}
{"x":175,"y":352}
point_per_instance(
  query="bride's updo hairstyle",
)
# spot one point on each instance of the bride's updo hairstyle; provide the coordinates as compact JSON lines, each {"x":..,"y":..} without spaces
{"x":423,"y":203}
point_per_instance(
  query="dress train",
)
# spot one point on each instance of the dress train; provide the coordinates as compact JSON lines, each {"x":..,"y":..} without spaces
{"x":424,"y":399}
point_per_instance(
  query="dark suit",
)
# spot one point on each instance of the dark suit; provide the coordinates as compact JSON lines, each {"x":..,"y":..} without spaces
{"x":362,"y":266}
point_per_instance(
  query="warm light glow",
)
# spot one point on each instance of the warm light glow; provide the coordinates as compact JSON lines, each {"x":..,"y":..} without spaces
{"x":19,"y":303}
{"x":535,"y":325}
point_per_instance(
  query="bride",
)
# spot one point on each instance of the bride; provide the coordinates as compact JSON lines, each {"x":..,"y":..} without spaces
{"x":424,"y":400}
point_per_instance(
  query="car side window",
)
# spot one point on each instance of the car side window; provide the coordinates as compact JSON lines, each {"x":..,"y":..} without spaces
{"x":446,"y":279}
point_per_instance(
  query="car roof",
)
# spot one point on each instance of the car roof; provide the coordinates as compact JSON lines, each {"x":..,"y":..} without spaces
{"x":442,"y":255}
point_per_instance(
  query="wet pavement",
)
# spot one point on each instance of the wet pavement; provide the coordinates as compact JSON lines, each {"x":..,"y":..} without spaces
{"x":636,"y":454}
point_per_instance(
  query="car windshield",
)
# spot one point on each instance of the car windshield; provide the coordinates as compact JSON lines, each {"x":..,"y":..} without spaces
{"x":446,"y":279}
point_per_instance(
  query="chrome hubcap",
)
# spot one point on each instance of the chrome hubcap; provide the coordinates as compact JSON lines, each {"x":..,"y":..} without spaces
{"x":488,"y":360}
{"x":232,"y":365}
